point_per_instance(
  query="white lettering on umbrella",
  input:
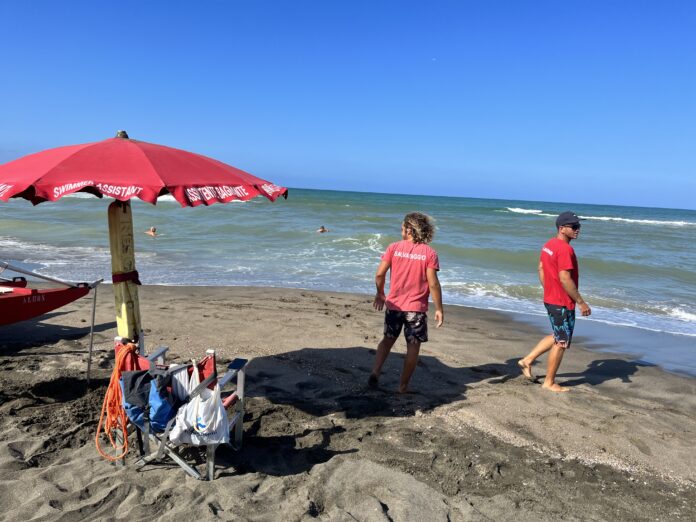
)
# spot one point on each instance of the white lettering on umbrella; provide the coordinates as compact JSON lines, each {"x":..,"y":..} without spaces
{"x":209,"y":193}
{"x":4,"y":187}
{"x":125,"y":191}
{"x":70,"y":187}
{"x":270,"y":188}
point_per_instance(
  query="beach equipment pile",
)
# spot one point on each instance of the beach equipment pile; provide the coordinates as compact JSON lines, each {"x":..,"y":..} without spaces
{"x":169,"y":406}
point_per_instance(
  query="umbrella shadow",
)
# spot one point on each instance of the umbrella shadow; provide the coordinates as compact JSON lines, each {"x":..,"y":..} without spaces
{"x":293,"y":397}
{"x":603,"y":370}
{"x":280,"y":455}
{"x":34,"y":333}
{"x":321,"y":381}
{"x":61,"y":390}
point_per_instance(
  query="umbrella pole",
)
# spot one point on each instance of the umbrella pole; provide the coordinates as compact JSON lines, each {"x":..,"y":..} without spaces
{"x":125,"y":276}
{"x":91,"y":335}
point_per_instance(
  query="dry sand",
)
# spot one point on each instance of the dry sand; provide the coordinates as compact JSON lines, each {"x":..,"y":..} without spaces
{"x":476,"y":442}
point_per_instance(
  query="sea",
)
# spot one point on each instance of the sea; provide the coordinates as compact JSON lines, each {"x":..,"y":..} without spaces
{"x":637,"y":265}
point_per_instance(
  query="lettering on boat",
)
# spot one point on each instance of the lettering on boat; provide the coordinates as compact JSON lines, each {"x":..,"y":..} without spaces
{"x":36,"y":298}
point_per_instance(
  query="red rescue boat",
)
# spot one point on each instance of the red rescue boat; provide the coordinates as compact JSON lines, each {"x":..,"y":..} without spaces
{"x":18,"y":303}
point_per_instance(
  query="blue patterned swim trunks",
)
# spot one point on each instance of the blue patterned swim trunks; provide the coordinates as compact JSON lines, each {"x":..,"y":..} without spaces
{"x":563,"y":323}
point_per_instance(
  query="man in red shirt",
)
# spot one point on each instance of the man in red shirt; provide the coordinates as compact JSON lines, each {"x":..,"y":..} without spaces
{"x":414,"y":267}
{"x":559,"y":276}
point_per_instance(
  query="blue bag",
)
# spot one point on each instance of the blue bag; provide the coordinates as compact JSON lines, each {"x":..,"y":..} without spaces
{"x":146,"y":398}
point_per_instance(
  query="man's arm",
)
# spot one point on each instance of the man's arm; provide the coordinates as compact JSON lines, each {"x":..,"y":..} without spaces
{"x":380,"y":281}
{"x":436,"y":293}
{"x":541,"y":274}
{"x":572,"y":290}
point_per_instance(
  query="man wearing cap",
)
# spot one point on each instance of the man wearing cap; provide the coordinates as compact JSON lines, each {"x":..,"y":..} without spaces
{"x":558,"y":273}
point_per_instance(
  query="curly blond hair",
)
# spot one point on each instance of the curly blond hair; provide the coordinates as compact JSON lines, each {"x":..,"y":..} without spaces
{"x":421,"y":226}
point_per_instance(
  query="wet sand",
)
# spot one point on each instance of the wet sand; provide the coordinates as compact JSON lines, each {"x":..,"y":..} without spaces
{"x":476,"y":441}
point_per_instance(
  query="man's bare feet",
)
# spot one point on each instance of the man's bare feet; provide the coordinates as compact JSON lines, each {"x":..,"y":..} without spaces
{"x":555,"y":387}
{"x":526,"y":369}
{"x":372,"y":381}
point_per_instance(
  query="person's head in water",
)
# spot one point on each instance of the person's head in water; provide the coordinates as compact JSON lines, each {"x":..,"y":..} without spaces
{"x":322,"y":229}
{"x":152,"y":231}
{"x":420,"y":226}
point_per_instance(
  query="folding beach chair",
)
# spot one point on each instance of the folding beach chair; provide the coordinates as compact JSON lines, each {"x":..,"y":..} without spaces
{"x":154,"y":421}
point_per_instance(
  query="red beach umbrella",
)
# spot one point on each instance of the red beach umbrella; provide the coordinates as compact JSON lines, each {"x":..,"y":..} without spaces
{"x":123,"y":169}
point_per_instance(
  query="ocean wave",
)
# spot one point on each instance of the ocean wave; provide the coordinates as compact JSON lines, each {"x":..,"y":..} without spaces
{"x":524,"y":210}
{"x":81,"y":195}
{"x":641,"y":221}
{"x":618,"y":219}
{"x":682,"y":315}
{"x":369,"y":242}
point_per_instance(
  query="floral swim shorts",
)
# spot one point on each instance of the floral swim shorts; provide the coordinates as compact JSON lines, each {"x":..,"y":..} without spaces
{"x":415,"y":325}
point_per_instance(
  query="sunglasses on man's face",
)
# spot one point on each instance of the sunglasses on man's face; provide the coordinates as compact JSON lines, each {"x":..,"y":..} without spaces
{"x":574,"y":226}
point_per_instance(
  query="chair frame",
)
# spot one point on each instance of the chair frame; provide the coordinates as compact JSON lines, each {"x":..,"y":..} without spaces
{"x":233,"y":403}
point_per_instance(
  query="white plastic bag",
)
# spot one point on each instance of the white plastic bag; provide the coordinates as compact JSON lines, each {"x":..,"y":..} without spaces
{"x":203,"y":420}
{"x":212,"y":425}
{"x":180,"y":381}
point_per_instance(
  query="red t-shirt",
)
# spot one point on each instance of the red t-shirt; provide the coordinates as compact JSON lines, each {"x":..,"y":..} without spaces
{"x":557,"y":255}
{"x":408,"y":286}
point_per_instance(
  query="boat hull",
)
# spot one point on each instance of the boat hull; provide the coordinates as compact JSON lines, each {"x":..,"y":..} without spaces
{"x":19,"y":304}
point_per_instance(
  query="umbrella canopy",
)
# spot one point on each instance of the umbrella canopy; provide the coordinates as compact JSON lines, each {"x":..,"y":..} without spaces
{"x":123,"y":169}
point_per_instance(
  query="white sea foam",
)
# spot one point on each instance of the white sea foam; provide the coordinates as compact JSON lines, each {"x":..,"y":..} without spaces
{"x":524,"y":210}
{"x":618,"y":219}
{"x":683,"y":315}
{"x":80,"y":195}
{"x":641,"y":221}
{"x":355,"y":244}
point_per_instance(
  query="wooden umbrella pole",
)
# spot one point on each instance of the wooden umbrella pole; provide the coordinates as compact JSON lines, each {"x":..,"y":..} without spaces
{"x":123,"y":269}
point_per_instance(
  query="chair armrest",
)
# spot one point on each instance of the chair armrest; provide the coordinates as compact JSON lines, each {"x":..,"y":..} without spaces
{"x":232,"y":370}
{"x":157,"y":354}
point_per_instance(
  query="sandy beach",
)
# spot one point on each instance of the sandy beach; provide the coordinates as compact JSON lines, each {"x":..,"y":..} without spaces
{"x":475,"y":442}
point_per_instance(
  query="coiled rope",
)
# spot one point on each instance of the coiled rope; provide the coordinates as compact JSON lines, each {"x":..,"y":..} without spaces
{"x":113,"y":417}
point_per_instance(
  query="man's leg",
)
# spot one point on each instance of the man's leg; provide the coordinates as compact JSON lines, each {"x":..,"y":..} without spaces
{"x":412,"y":350}
{"x":383,"y":349}
{"x":540,"y":349}
{"x":555,"y":358}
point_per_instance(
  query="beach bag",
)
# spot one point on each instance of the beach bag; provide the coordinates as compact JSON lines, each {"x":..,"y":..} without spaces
{"x":146,"y":398}
{"x":180,"y":382}
{"x":203,"y":419}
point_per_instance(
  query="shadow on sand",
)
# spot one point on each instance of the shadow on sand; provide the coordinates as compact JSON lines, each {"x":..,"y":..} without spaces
{"x":290,"y":427}
{"x":321,"y":381}
{"x":316,"y":382}
{"x":34,"y":333}
{"x":603,"y":370}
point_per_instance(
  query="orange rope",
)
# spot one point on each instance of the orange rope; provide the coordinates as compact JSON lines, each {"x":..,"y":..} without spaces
{"x":113,"y":417}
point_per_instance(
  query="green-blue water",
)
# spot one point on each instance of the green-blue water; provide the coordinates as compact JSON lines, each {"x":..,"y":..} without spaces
{"x":638,"y":265}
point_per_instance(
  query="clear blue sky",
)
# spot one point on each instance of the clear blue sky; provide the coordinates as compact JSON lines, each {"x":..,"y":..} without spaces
{"x":580,"y":101}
